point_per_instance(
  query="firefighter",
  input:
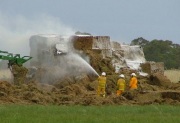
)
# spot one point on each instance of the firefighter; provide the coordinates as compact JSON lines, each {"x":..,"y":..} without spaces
{"x":120,"y":85}
{"x":101,"y":84}
{"x":133,"y":86}
{"x":133,"y":82}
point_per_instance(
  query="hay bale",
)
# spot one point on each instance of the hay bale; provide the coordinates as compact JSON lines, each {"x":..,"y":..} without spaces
{"x":160,"y":80}
{"x":152,"y":67}
{"x":82,"y":42}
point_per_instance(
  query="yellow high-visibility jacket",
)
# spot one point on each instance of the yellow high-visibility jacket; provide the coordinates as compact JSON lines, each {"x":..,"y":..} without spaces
{"x":102,"y":81}
{"x":133,"y":83}
{"x":121,"y":84}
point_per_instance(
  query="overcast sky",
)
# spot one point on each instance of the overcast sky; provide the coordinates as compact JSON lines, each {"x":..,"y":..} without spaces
{"x":122,"y":20}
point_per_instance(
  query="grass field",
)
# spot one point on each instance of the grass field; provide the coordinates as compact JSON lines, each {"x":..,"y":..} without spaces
{"x":89,"y":114}
{"x":173,"y":75}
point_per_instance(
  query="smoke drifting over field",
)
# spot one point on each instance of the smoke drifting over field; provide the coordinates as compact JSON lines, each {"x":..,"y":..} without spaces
{"x":16,"y":31}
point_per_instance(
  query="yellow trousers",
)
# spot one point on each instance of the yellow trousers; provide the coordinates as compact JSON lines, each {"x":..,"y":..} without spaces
{"x":101,"y":91}
{"x":119,"y":92}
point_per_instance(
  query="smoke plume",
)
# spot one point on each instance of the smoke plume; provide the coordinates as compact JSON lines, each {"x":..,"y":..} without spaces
{"x":16,"y":31}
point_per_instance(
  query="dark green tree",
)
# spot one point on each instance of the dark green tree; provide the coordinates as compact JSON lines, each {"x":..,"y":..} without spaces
{"x":160,"y":51}
{"x":139,"y":41}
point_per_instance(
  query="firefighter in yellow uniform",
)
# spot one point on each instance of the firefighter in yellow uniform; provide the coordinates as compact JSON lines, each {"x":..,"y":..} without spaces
{"x":120,"y":85}
{"x":101,"y":84}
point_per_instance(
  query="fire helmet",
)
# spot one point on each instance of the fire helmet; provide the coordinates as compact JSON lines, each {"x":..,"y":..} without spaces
{"x":122,"y":76}
{"x":133,"y":74}
{"x":103,"y":74}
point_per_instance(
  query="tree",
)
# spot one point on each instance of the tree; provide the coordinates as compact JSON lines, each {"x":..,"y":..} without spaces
{"x":139,"y":41}
{"x":160,"y":51}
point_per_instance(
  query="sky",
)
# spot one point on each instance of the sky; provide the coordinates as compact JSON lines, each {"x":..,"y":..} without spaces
{"x":122,"y":20}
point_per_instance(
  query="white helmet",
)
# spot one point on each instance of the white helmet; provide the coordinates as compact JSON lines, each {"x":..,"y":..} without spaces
{"x":122,"y":76}
{"x":103,"y":74}
{"x":133,"y":74}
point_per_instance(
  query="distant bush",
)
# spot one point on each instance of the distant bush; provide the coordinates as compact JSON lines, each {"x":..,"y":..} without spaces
{"x":160,"y":51}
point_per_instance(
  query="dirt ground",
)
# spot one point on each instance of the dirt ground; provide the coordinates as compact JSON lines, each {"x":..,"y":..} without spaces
{"x":84,"y":93}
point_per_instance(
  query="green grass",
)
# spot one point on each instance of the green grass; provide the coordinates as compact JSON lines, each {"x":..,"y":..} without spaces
{"x":89,"y":114}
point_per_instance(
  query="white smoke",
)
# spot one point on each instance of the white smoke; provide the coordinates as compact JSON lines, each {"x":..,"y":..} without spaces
{"x":16,"y":31}
{"x":70,"y":64}
{"x":133,"y":56}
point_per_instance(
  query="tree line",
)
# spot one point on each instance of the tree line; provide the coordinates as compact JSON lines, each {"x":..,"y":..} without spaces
{"x":160,"y":51}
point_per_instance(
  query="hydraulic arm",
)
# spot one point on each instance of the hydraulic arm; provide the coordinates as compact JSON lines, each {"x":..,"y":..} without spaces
{"x":14,"y":58}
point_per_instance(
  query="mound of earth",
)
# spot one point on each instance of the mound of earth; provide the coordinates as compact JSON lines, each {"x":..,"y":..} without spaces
{"x":84,"y":93}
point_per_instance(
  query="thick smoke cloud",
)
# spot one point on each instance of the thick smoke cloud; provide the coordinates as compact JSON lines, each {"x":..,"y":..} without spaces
{"x":16,"y":31}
